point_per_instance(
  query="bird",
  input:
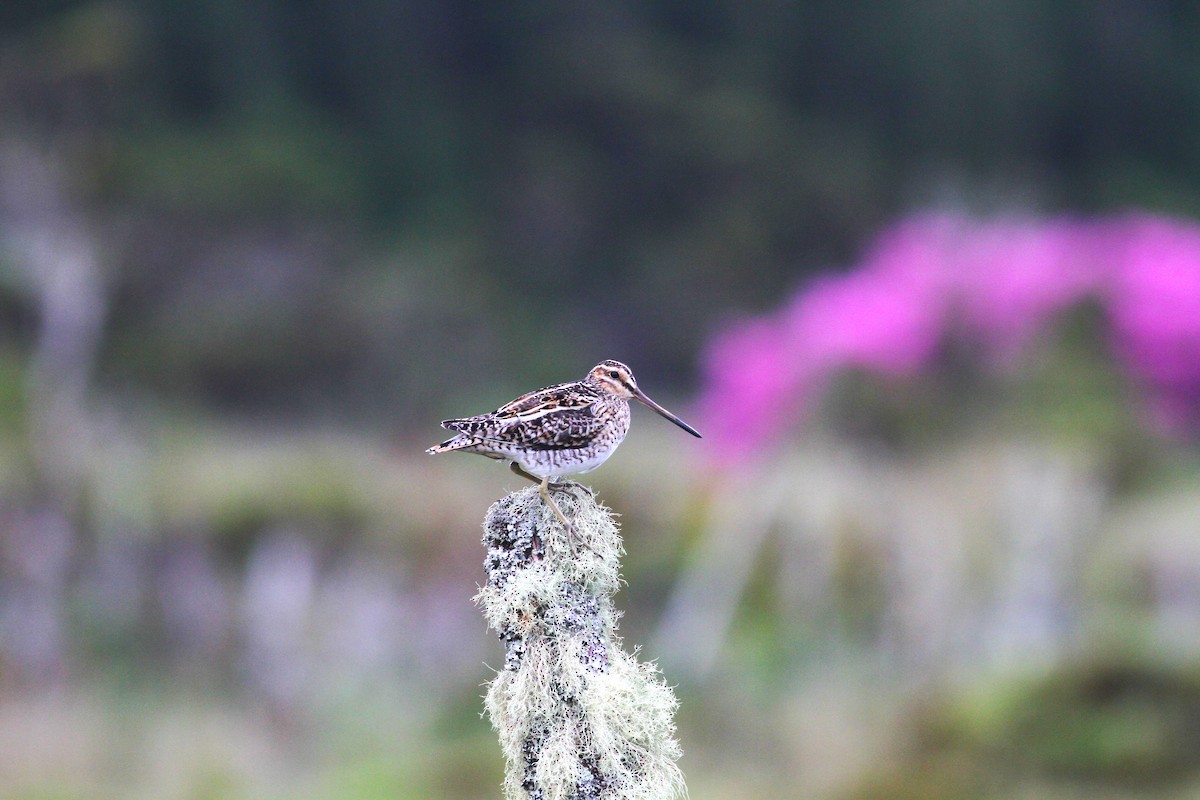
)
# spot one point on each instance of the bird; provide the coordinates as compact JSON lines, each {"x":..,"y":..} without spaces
{"x":565,"y":429}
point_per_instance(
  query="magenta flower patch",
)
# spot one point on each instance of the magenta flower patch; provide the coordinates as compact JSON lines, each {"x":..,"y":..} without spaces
{"x":998,"y":285}
{"x":1154,"y":307}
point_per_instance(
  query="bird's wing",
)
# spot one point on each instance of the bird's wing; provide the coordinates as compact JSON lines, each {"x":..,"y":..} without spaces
{"x":555,"y":418}
{"x":543,"y":401}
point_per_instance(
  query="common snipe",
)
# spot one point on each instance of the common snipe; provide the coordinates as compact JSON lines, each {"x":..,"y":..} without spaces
{"x":561,"y":430}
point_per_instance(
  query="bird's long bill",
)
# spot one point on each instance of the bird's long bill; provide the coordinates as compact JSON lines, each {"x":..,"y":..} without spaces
{"x":640,"y":395}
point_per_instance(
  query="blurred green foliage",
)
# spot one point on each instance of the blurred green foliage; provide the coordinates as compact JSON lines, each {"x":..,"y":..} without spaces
{"x":612,"y":177}
{"x":1126,"y":725}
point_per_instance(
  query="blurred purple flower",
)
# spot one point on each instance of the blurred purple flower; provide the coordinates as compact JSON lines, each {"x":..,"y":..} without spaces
{"x":753,"y":379}
{"x":1154,"y":309}
{"x":998,"y":284}
{"x":1016,"y":277}
{"x":885,"y":318}
{"x":763,"y":373}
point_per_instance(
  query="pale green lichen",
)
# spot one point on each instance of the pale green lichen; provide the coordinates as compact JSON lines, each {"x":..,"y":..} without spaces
{"x":578,"y":717}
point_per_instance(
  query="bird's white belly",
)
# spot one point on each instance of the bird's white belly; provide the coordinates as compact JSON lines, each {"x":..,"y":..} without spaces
{"x":557,"y":463}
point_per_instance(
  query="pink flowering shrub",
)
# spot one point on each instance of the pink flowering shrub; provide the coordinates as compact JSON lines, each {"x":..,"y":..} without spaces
{"x":995,"y":286}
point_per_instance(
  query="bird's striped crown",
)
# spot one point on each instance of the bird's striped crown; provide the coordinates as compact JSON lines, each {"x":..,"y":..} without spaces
{"x":614,"y":377}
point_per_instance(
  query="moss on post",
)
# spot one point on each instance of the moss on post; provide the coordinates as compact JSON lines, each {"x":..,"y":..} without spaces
{"x":578,"y":717}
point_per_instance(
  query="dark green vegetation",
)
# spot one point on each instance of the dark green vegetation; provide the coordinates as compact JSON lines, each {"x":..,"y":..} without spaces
{"x":1115,"y":726}
{"x":302,"y":196}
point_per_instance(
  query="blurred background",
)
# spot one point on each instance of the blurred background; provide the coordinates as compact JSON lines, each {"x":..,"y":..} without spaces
{"x":926,"y":275}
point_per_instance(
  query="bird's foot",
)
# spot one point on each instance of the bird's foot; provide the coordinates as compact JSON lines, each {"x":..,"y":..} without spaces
{"x":564,"y":485}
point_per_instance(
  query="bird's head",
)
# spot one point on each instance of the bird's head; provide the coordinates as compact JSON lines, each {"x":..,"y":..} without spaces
{"x":617,"y":379}
{"x":614,"y":378}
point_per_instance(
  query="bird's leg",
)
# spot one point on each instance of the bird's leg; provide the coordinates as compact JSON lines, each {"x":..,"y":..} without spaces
{"x":544,"y":484}
{"x":545,"y":489}
{"x":515,"y":467}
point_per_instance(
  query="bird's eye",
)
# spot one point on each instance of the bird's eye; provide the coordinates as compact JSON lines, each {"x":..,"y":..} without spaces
{"x":612,"y":374}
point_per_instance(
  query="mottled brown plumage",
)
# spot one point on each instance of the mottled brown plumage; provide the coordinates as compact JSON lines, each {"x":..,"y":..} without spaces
{"x":566,"y":429}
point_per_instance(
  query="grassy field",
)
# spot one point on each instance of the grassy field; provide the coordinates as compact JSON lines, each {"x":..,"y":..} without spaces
{"x":290,"y":616}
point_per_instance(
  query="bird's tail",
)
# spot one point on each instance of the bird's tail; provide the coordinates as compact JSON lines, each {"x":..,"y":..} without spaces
{"x":453,"y":443}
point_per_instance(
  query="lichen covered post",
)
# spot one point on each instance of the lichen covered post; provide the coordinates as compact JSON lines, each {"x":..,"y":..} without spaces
{"x":578,"y":717}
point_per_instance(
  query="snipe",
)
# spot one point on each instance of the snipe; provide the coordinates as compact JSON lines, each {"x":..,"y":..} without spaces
{"x":566,"y":429}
